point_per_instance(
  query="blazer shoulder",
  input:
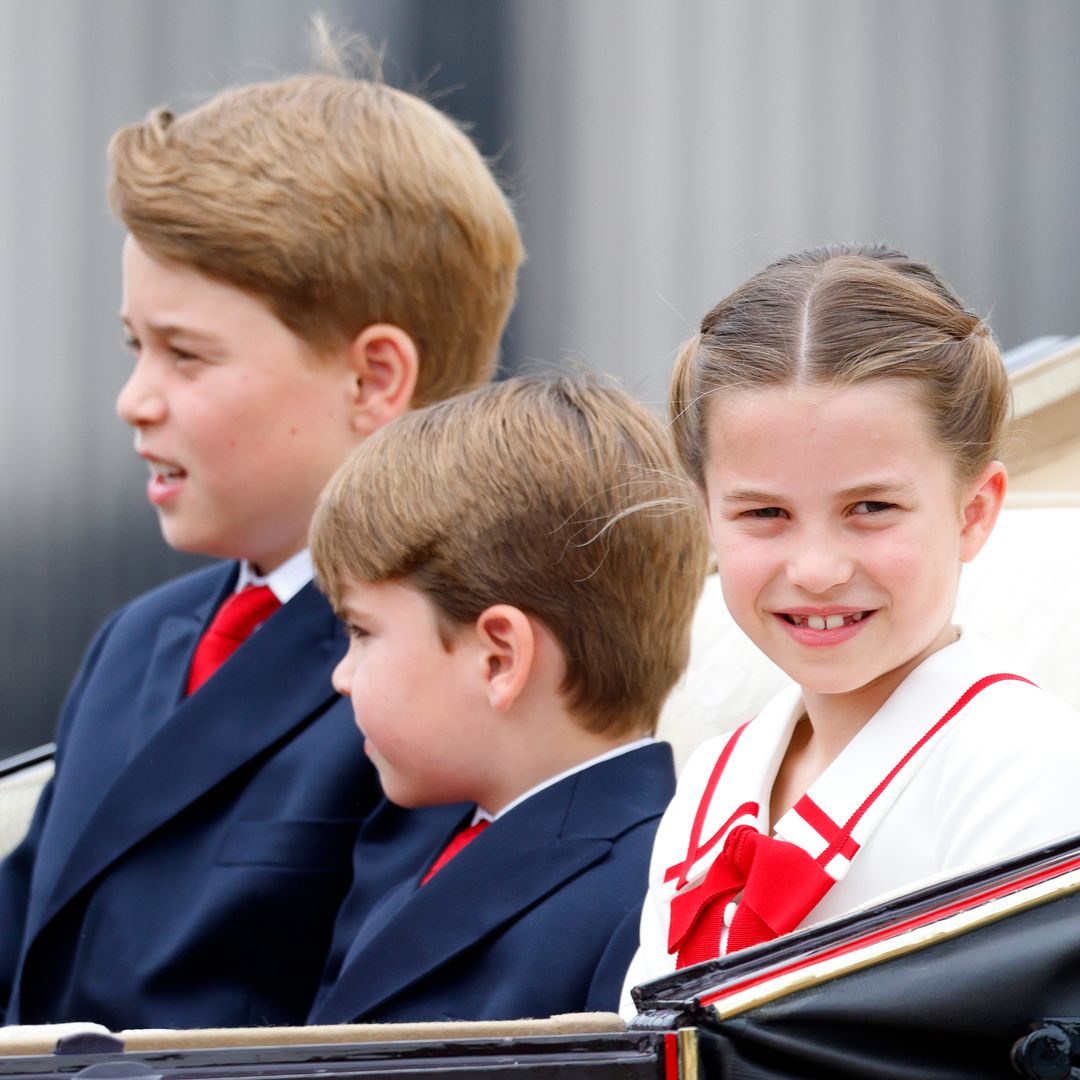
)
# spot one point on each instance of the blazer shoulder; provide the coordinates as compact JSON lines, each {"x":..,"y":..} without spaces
{"x":616,"y":796}
{"x":184,"y":593}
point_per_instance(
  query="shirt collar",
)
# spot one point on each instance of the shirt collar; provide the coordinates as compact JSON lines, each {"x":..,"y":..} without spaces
{"x":284,"y":582}
{"x":484,"y":815}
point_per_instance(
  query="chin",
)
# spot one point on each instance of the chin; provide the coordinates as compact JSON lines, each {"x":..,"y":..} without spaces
{"x":833,"y":689}
{"x":179,"y":540}
{"x":403,"y":796}
{"x":194,"y":543}
{"x":823,"y":682}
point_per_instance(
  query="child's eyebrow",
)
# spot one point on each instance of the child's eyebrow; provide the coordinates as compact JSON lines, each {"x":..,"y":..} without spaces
{"x":892,"y":488}
{"x":895,"y":489}
{"x":349,"y":615}
{"x":750,"y":495}
{"x":169,"y":330}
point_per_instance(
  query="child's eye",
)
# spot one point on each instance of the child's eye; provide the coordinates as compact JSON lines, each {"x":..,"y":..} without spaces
{"x":870,"y":506}
{"x":132,"y":344}
{"x":180,"y":354}
{"x":355,"y":632}
{"x":766,"y":513}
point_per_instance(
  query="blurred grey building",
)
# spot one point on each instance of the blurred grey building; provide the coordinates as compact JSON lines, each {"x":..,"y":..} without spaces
{"x":658,"y":151}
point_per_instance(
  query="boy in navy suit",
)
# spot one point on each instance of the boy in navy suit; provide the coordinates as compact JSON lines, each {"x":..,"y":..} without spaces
{"x":306,"y":259}
{"x":517,"y":570}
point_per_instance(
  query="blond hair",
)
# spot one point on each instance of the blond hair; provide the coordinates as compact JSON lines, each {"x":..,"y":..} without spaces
{"x":561,"y":497}
{"x":340,"y":203}
{"x":838,"y":315}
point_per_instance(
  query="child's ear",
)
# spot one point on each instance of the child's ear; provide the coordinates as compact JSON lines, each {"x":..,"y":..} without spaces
{"x":384,"y":363}
{"x":507,"y":652}
{"x":982,"y":504}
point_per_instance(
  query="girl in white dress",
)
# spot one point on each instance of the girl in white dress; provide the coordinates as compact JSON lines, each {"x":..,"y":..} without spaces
{"x":841,"y":414}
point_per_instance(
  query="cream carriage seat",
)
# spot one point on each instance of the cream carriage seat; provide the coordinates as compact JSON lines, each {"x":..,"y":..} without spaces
{"x":19,"y":791}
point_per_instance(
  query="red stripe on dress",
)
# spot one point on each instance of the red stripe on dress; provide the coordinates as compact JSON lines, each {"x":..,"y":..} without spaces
{"x":693,"y":850}
{"x":964,"y":700}
{"x":825,"y":827}
{"x":746,"y":808}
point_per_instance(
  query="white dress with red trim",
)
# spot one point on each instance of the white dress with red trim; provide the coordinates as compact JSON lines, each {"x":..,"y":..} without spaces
{"x":966,"y":762}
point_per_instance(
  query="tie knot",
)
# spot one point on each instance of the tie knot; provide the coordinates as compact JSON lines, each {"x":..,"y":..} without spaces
{"x":230,"y":627}
{"x":460,"y":840}
{"x":243,"y":611}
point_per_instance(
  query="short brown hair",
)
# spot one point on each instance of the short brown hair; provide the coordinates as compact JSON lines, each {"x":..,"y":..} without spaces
{"x":560,"y":496}
{"x":340,"y":203}
{"x":834,"y":316}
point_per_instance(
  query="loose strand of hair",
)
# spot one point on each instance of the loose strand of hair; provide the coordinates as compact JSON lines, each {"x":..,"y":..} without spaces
{"x":342,"y":53}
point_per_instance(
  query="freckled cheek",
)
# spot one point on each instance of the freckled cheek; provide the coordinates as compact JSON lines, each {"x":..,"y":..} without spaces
{"x":248,"y":444}
{"x":919,"y":591}
{"x":218,"y":432}
{"x":904,"y":568}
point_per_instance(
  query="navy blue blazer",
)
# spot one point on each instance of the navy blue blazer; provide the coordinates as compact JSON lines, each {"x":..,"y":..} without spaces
{"x":185,"y":866}
{"x":537,"y":916}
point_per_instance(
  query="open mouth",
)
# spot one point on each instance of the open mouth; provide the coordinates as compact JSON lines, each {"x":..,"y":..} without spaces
{"x":826,"y":622}
{"x":161,"y":470}
{"x":167,"y":480}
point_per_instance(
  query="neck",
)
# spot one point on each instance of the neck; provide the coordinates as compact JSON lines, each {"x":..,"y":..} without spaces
{"x":555,"y":748}
{"x":831,"y":722}
{"x":834,"y":720}
{"x":837,"y":718}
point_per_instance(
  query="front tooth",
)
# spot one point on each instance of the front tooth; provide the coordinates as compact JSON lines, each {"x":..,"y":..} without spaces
{"x":832,"y":622}
{"x":815,"y":622}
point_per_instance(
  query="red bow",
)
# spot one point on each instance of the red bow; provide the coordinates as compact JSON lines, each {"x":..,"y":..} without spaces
{"x":780,"y":885}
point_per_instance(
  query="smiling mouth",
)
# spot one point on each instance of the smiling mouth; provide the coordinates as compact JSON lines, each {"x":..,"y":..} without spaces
{"x":825,"y":622}
{"x":161,"y":470}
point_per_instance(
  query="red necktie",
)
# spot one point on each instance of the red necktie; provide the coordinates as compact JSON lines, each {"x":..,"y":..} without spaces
{"x":780,"y":884}
{"x":229,"y":629}
{"x":465,"y":836}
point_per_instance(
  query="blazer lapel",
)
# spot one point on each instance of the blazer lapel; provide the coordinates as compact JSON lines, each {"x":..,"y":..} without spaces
{"x":166,"y":681}
{"x":544,"y":842}
{"x":103,"y":760}
{"x":435,"y":922}
{"x":258,"y":697}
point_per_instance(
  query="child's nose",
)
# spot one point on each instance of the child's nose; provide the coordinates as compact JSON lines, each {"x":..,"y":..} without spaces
{"x":817,"y":565}
{"x":139,"y":401}
{"x":339,"y":678}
